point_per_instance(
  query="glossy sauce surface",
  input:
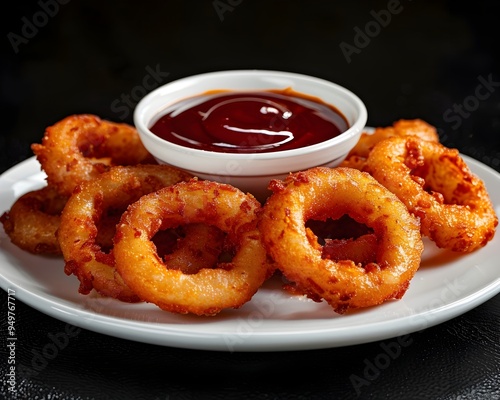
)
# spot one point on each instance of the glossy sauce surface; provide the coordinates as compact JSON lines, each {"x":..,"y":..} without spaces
{"x":249,"y":122}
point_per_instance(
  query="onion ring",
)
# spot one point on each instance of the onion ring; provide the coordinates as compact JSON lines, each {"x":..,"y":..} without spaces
{"x":208,"y":291}
{"x":404,"y":127}
{"x":111,"y":191}
{"x":80,"y":147}
{"x":321,"y":193}
{"x":33,"y":220}
{"x":436,"y":185}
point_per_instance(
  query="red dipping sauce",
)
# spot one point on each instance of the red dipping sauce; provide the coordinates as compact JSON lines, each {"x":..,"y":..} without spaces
{"x":249,"y":122}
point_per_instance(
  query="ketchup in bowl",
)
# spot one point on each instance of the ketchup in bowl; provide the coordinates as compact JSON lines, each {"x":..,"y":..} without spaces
{"x":250,"y":121}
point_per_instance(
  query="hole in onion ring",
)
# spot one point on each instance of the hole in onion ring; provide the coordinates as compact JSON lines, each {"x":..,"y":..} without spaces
{"x":106,"y":227}
{"x":344,"y":239}
{"x":192,"y":247}
{"x":344,"y":227}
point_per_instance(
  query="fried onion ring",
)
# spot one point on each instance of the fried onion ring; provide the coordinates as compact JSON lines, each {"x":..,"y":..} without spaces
{"x":111,"y":192}
{"x":405,"y":127}
{"x":321,"y":193}
{"x":80,"y":147}
{"x":33,"y":220}
{"x":208,"y":291}
{"x":436,"y":185}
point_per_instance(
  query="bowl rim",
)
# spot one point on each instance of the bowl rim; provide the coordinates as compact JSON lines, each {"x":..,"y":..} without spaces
{"x":354,"y":129}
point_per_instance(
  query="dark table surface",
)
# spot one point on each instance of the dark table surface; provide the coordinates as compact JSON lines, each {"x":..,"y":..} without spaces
{"x":438,"y":61}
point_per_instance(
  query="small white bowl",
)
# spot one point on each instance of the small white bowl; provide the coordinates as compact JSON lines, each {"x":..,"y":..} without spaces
{"x":250,"y":172}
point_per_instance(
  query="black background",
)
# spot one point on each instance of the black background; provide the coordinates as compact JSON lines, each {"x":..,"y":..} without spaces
{"x":429,"y":61}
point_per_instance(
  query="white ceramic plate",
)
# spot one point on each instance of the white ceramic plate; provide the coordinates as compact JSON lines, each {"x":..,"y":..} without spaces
{"x":445,"y":286}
